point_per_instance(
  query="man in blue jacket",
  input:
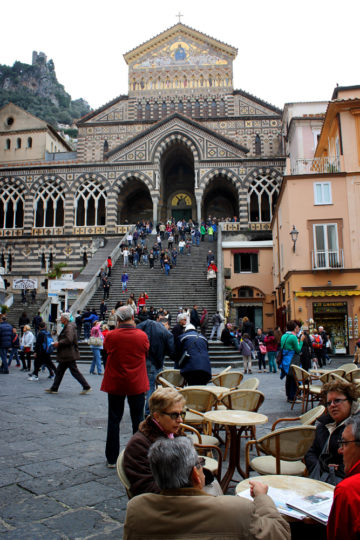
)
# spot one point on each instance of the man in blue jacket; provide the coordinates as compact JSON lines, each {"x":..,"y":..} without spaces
{"x":6,"y":336}
{"x":194,"y":362}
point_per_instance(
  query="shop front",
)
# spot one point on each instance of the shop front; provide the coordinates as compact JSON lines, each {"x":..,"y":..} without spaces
{"x":333,"y":316}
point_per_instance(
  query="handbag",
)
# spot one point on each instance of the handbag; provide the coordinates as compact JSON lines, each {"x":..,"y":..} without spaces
{"x":95,"y":341}
{"x":262,"y":349}
{"x":279,"y":354}
{"x":27,"y":349}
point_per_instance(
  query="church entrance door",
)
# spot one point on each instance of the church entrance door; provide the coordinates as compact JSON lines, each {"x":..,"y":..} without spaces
{"x":184,"y":213}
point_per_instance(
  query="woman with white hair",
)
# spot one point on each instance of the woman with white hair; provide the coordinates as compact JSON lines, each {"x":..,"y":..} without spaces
{"x":26,"y":344}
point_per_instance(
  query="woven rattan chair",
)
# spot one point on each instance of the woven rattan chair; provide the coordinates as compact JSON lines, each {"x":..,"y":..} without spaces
{"x":205,"y":448}
{"x":171,"y":375}
{"x":347,"y":367}
{"x":284,"y":451}
{"x":352,"y":375}
{"x":121,"y":473}
{"x":226,"y":370}
{"x":302,"y":379}
{"x":307,"y":419}
{"x":336,"y":375}
{"x":249,"y":384}
{"x":232,"y":379}
{"x":198,"y":401}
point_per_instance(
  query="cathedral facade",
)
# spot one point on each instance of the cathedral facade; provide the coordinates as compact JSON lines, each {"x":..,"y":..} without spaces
{"x":182,"y":143}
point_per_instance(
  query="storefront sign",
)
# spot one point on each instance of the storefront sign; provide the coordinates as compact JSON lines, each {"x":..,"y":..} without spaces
{"x":330,"y":307}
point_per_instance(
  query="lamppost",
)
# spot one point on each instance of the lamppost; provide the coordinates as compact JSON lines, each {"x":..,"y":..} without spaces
{"x":294,"y":236}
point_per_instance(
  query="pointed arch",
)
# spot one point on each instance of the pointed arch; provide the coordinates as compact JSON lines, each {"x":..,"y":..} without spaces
{"x":49,"y":202}
{"x":263,"y":189}
{"x":12,"y":203}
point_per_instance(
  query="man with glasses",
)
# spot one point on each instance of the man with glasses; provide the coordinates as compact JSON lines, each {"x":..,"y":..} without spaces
{"x":344,"y":519}
{"x":183,"y":510}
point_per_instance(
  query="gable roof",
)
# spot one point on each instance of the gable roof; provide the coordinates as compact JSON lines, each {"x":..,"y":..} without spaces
{"x":258,"y":100}
{"x":91,"y":114}
{"x":172,"y":31}
{"x":186,"y":120}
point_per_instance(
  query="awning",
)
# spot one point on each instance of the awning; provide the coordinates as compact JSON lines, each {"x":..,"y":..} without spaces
{"x":327,"y":293}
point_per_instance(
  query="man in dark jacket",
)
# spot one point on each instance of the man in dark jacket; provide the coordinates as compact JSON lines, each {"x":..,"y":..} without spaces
{"x":161,"y":344}
{"x":194,"y":317}
{"x":36,"y":322}
{"x":195,"y":363}
{"x":67,"y":354}
{"x":41,"y":355}
{"x":6,"y":336}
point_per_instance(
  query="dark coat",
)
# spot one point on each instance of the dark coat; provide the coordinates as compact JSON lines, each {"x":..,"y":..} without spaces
{"x":68,"y":350}
{"x":194,"y":318}
{"x":6,"y":335}
{"x":161,"y":342}
{"x":196,"y":345}
{"x":248,"y":328}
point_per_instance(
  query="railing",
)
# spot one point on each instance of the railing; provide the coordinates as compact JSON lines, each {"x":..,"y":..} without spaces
{"x":316,"y":165}
{"x":324,"y":260}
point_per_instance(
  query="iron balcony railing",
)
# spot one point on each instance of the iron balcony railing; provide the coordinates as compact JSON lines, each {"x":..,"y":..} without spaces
{"x":316,"y":165}
{"x":324,"y":260}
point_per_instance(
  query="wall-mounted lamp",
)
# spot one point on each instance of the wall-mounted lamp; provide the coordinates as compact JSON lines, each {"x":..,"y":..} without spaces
{"x":294,"y":236}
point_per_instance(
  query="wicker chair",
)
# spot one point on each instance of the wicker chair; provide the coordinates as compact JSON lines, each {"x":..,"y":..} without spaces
{"x":352,"y":375}
{"x":232,"y":379}
{"x":226,"y":370}
{"x":198,"y":401}
{"x":171,"y":375}
{"x":121,"y":473}
{"x":284,"y":451}
{"x":204,"y":448}
{"x":302,"y":380}
{"x":347,"y":367}
{"x":336,"y":375}
{"x":307,"y":419}
{"x":249,"y":384}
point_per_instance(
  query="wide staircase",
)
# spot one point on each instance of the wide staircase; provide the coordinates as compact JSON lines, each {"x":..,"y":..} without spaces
{"x":185,"y":286}
{"x":18,"y":308}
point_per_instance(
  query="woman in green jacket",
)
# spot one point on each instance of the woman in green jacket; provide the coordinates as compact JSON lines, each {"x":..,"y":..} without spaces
{"x":289,"y":345}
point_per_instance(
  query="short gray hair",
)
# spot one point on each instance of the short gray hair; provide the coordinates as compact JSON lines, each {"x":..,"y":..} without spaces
{"x":66,"y":315}
{"x":171,"y":462}
{"x":181,"y":317}
{"x":124,"y":313}
{"x":354,"y":422}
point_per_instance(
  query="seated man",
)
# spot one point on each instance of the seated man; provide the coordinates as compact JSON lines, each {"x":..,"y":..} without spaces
{"x":182,"y":510}
{"x":344,"y":519}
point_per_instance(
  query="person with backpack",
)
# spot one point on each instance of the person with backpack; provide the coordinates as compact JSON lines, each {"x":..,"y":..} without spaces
{"x":42,"y":353}
{"x":246,"y":348}
{"x":317,"y":345}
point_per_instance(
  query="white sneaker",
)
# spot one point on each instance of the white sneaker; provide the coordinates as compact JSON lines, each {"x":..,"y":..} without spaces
{"x":33,"y":378}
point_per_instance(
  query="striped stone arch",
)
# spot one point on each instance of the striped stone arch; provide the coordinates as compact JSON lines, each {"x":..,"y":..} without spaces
{"x":126,"y":177}
{"x":228,"y":173}
{"x":169,"y":140}
{"x":269,"y":172}
{"x":91,"y":177}
{"x":14,"y":182}
{"x":50,"y":179}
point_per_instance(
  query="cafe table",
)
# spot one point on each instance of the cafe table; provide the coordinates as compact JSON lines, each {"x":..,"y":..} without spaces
{"x":295,"y":485}
{"x":217,"y":390}
{"x":234,"y":419}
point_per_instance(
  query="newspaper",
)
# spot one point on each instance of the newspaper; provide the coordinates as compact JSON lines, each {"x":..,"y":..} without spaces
{"x":279,"y":496}
{"x":316,"y":506}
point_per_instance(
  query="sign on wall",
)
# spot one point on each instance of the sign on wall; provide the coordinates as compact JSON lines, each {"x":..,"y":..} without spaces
{"x":25,"y":283}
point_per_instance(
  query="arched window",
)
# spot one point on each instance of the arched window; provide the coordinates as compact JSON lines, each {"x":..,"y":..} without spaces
{"x":49,"y":204}
{"x":197,"y":108}
{"x":11,"y":204}
{"x":213,"y":108}
{"x":188,"y":107}
{"x":181,"y":107}
{"x":139,"y":111}
{"x":8,"y":144}
{"x":245,"y":292}
{"x":90,"y":201}
{"x":147,"y":111}
{"x":257,"y":145}
{"x":163,"y":109}
{"x":18,"y":142}
{"x":210,"y":80}
{"x":29,"y":142}
{"x":156,"y":111}
{"x":222,"y":108}
{"x":262,"y":195}
{"x":172,"y":107}
{"x":106,"y":147}
{"x":205,"y":109}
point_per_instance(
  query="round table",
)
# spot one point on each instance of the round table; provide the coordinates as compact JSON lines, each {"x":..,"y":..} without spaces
{"x":217,"y":390}
{"x":296,"y":485}
{"x":234,"y":419}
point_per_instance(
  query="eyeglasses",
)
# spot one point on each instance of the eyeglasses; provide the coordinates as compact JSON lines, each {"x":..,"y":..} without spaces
{"x":342,"y":443}
{"x":335,"y":401}
{"x":175,"y":415}
{"x":201,"y":463}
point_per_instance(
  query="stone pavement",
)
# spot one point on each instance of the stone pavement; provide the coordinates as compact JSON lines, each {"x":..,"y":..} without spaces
{"x":54,"y":483}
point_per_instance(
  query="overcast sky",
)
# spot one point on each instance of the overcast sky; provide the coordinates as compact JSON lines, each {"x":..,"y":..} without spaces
{"x":287,"y":50}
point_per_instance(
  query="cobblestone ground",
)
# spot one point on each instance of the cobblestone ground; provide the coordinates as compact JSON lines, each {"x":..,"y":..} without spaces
{"x":54,"y":483}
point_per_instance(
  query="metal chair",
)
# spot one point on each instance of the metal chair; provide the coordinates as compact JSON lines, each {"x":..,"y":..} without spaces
{"x":284,"y":451}
{"x":307,"y":419}
{"x":121,"y":474}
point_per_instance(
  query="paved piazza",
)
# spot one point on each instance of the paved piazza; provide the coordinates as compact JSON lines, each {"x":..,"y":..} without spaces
{"x":54,"y":483}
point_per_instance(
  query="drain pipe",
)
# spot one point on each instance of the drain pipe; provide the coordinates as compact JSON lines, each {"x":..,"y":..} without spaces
{"x":220,"y":274}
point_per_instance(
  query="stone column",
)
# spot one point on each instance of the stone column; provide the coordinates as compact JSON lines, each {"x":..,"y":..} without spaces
{"x":155,"y":200}
{"x":69,"y":213}
{"x":198,"y":197}
{"x":111,"y":211}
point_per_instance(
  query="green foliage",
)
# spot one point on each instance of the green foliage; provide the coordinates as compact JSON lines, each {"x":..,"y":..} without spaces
{"x":73,"y":133}
{"x":57,"y":270}
{"x":36,"y":89}
{"x":4,"y":308}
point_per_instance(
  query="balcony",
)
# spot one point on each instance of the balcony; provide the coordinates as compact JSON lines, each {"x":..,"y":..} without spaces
{"x":316,"y":165}
{"x":327,"y":260}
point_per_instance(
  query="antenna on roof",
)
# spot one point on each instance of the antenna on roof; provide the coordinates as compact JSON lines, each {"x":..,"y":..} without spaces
{"x":179,"y":15}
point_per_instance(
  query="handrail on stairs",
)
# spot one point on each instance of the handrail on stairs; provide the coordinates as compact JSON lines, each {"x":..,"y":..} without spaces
{"x":220,"y":288}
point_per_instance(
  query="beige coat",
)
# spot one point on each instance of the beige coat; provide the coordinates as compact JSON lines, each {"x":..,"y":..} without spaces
{"x":68,"y":349}
{"x":189,"y":513}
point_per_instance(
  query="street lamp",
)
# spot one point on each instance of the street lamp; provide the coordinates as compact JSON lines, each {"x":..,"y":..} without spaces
{"x":294,"y":236}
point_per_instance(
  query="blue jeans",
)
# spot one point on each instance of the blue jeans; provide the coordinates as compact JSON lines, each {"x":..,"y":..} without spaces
{"x":124,"y":285}
{"x":96,"y":360}
{"x":152,"y":373}
{"x":3,"y":356}
{"x":14,"y":353}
